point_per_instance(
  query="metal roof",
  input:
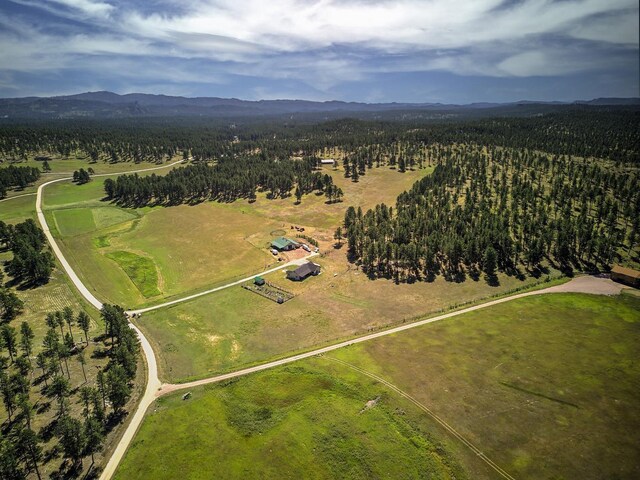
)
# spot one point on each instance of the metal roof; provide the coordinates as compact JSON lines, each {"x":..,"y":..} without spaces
{"x":282,"y":242}
{"x":306,"y":269}
{"x":629,"y":272}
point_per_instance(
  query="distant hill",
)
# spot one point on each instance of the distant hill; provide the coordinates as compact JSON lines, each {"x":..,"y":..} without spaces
{"x":112,"y":105}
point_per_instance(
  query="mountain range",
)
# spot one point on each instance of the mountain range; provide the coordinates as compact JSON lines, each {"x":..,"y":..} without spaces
{"x":105,"y":104}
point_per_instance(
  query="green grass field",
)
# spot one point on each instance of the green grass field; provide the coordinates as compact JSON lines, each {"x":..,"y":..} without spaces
{"x":17,"y":210}
{"x":141,"y":270}
{"x":290,"y":423}
{"x":74,"y":221}
{"x":545,"y":386}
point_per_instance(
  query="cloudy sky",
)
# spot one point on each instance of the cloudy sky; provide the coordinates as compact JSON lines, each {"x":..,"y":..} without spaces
{"x":363,"y":50}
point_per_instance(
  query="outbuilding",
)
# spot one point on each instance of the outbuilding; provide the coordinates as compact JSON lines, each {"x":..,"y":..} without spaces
{"x":303,"y":271}
{"x":259,"y":281}
{"x":327,"y":161}
{"x":625,"y":275}
{"x":284,"y":244}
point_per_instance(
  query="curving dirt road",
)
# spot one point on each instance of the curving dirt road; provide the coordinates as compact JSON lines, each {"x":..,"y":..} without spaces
{"x":16,"y":196}
{"x":595,"y":285}
{"x":153,"y":382}
{"x":154,"y":388}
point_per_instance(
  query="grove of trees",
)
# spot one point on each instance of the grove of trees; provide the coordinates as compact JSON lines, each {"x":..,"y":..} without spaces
{"x":32,"y":263}
{"x":41,"y":396}
{"x":18,"y":177}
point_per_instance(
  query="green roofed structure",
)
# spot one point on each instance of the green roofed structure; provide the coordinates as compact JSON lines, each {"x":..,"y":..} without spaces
{"x":284,"y":244}
{"x":259,"y":281}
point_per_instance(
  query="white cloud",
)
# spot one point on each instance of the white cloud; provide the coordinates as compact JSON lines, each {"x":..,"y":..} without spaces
{"x":88,"y":7}
{"x":326,"y":42}
{"x":393,"y":26}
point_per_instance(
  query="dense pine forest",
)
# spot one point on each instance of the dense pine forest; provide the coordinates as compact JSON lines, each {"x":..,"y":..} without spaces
{"x":507,"y":194}
{"x":602,"y":132}
{"x":500,"y":209}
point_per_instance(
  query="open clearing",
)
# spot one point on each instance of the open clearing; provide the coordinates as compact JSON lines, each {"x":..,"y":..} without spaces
{"x":499,"y":376}
{"x":378,"y":185}
{"x":249,"y":328}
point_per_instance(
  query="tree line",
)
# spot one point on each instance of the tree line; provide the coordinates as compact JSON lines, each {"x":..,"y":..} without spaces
{"x":226,"y":180}
{"x":17,"y":177}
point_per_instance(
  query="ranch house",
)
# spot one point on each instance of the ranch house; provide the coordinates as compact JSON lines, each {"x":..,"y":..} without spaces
{"x":303,"y":271}
{"x":284,"y":244}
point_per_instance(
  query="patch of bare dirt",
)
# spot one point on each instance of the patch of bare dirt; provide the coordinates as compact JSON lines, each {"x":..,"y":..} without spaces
{"x":370,"y":404}
{"x":594,"y":284}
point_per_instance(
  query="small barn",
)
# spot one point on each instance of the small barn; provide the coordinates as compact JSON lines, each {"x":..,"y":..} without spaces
{"x":284,"y":244}
{"x":259,"y":281}
{"x":628,"y":276}
{"x":327,"y":161}
{"x":303,"y":271}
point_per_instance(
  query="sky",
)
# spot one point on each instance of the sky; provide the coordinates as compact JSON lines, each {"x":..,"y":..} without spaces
{"x":420,"y":51}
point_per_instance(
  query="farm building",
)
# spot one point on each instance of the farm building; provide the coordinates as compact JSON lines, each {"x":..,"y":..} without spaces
{"x":303,"y":271}
{"x":284,"y":244}
{"x":327,"y":161}
{"x":628,"y":276}
{"x":258,"y":281}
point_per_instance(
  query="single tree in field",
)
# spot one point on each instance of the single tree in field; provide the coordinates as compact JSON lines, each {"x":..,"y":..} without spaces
{"x":8,"y":391}
{"x":94,"y":436}
{"x":84,"y":322}
{"x":60,"y":390}
{"x":26,"y":408}
{"x":338,"y":235}
{"x":64,"y":352}
{"x":10,"y":468}
{"x":41,"y":362}
{"x":82,"y":362}
{"x":489,"y":261}
{"x":86,"y":393}
{"x":60,"y":322}
{"x":26,"y":339}
{"x":10,"y":305}
{"x":298,"y":194}
{"x":67,"y":313}
{"x":50,"y":320}
{"x":72,"y":439}
{"x":118,"y":387}
{"x":102,"y":387}
{"x":29,"y":444}
{"x":98,"y":407}
{"x":24,"y":368}
{"x":10,"y":340}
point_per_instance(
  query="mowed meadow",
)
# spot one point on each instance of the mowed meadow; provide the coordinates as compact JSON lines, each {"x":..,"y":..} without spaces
{"x":142,"y":256}
{"x":537,"y":384}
